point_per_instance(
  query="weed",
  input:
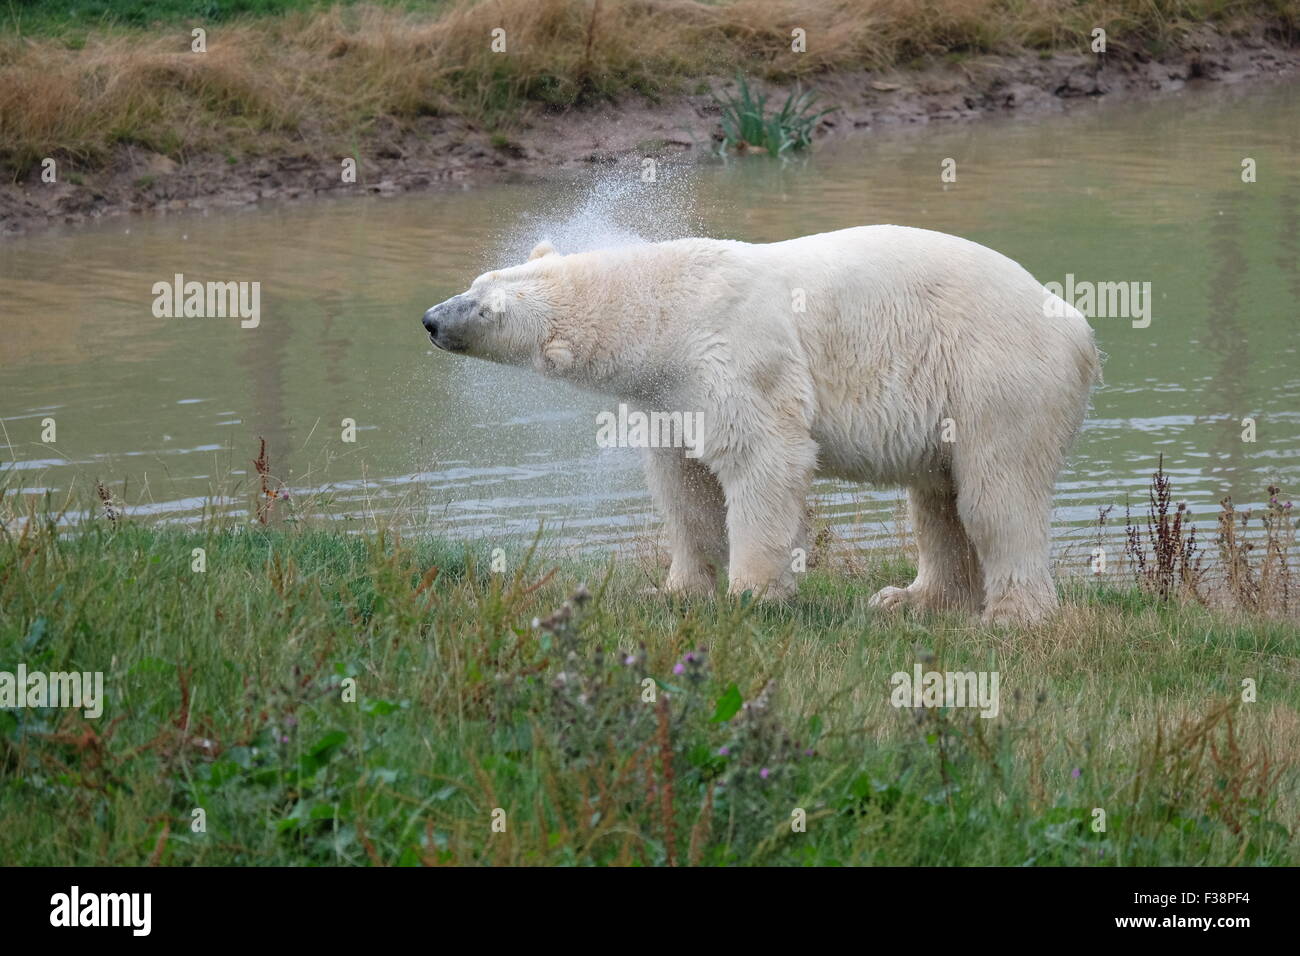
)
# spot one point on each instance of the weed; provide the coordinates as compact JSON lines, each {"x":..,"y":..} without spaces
{"x":747,"y":126}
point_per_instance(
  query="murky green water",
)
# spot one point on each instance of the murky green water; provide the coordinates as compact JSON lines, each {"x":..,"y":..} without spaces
{"x":167,"y":412}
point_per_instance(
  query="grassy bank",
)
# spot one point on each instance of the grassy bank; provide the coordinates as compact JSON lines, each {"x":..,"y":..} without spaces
{"x":301,"y":78}
{"x":227,"y":691}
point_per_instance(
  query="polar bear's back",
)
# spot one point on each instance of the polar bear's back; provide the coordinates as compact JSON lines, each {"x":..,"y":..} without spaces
{"x":904,"y":328}
{"x":935,"y":273}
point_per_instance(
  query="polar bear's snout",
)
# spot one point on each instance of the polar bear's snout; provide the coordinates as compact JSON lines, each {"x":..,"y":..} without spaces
{"x":448,"y":323}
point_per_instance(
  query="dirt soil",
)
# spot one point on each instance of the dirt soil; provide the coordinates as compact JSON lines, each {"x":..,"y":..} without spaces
{"x":450,"y":153}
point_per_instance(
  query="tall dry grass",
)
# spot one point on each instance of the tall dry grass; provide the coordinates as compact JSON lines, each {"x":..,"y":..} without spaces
{"x":324,"y":81}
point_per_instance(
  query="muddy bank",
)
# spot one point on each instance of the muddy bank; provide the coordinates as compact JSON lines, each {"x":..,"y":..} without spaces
{"x":452,"y":153}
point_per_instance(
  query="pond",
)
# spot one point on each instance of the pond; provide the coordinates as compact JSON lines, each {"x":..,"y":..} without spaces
{"x":167,"y":412}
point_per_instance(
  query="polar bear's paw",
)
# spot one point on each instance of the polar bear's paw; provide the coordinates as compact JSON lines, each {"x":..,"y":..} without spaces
{"x":675,"y":598}
{"x":666,"y":593}
{"x":768,"y":591}
{"x":1020,"y":608}
{"x":922,"y":599}
{"x":681,"y":586}
{"x":890,"y":599}
{"x":696,"y":584}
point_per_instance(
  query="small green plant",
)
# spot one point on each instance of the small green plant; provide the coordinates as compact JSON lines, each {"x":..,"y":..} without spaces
{"x":746,"y":124}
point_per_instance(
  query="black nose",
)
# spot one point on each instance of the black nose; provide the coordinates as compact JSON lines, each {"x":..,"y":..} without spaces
{"x":446,"y":323}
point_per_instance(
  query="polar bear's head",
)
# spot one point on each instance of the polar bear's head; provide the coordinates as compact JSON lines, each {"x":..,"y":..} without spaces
{"x":504,"y":316}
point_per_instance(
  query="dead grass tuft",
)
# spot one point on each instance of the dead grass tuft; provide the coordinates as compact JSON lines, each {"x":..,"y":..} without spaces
{"x":323,"y":81}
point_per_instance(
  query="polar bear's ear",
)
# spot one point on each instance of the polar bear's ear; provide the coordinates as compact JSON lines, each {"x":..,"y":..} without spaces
{"x":543,"y":248}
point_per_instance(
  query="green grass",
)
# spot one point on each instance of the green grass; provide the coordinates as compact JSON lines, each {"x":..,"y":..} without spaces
{"x":225,"y":691}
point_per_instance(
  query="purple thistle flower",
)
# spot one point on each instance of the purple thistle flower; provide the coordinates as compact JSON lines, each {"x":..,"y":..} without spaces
{"x":764,"y":773}
{"x":679,"y":668}
{"x":1076,"y":773}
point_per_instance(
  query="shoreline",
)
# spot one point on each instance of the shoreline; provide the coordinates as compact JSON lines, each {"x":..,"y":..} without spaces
{"x":448,"y":152}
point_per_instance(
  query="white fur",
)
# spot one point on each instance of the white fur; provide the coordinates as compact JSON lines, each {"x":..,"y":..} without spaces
{"x":903,"y":329}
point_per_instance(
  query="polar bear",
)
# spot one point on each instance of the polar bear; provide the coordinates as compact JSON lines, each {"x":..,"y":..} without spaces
{"x":881,"y":354}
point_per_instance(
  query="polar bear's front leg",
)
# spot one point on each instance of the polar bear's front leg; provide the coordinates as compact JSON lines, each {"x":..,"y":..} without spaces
{"x":767,"y":498}
{"x":695,"y":515}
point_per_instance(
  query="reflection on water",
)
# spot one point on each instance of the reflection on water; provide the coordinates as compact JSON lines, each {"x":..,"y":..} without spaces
{"x":167,"y":412}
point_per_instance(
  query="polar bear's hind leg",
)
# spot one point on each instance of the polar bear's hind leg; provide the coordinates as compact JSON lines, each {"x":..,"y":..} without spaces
{"x":948,"y":571}
{"x":1004,"y":499}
